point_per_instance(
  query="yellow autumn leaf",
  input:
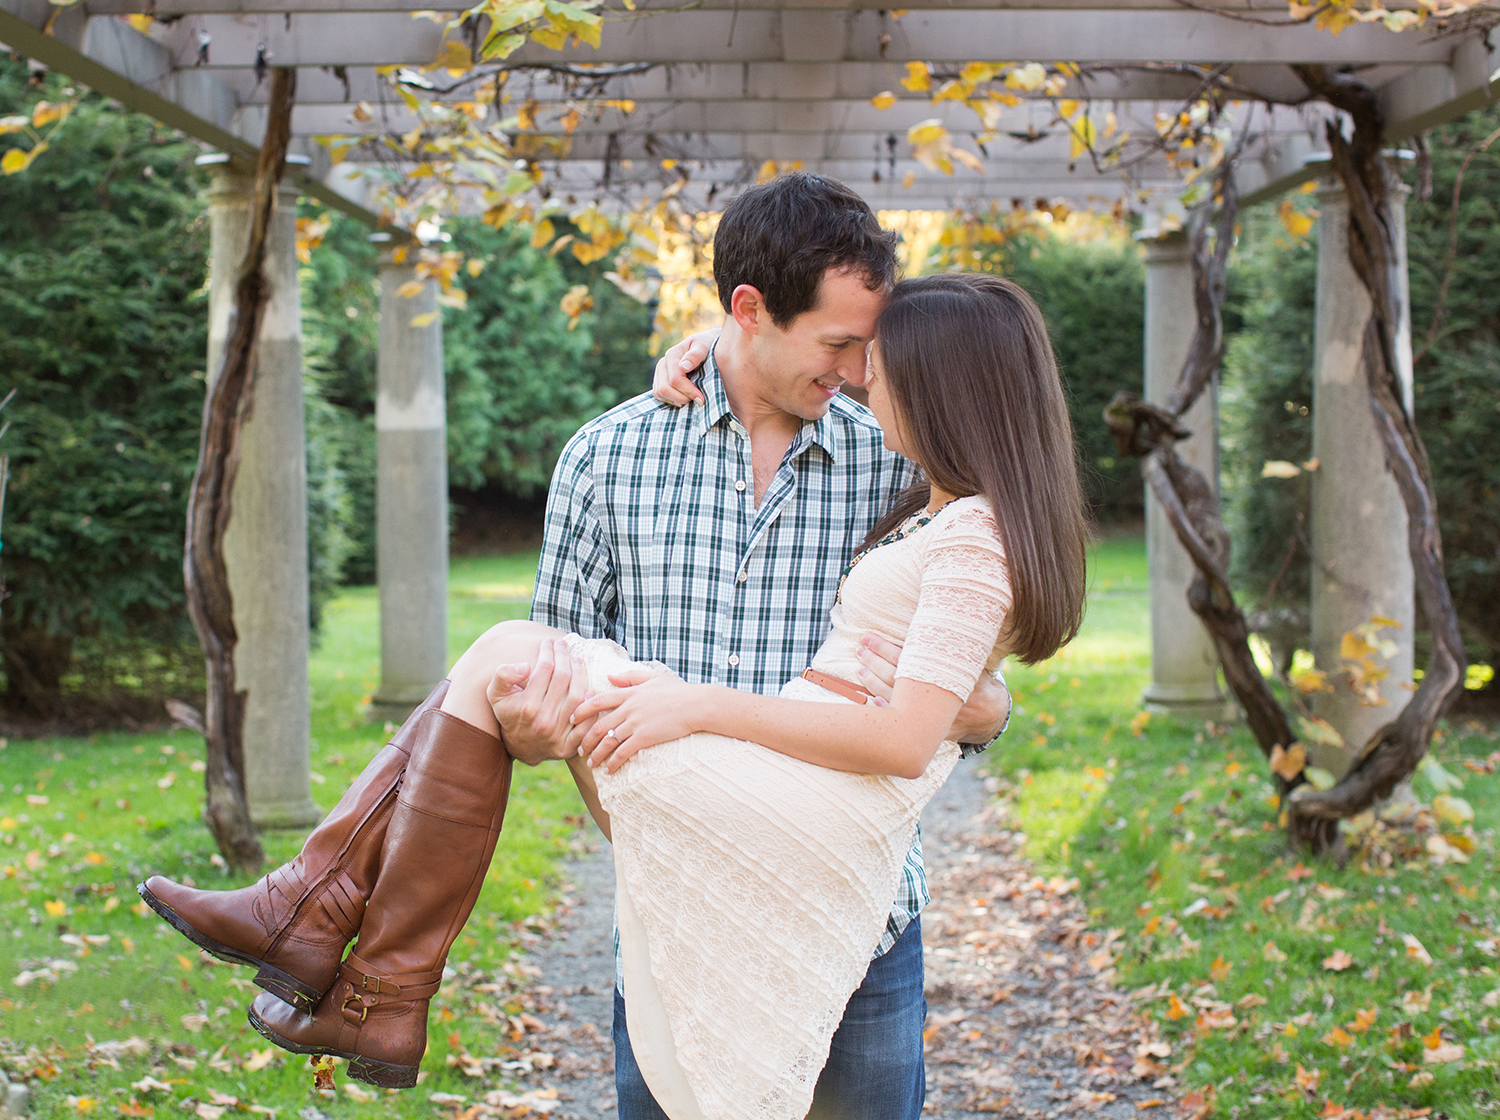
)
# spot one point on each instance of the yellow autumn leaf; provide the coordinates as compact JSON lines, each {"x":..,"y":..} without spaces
{"x":918,"y":77}
{"x":1175,"y":1007}
{"x":1220,"y":969}
{"x":17,"y":160}
{"x":55,"y":907}
{"x":454,"y":57}
{"x":575,"y":303}
{"x":1452,"y":810}
{"x":1338,"y":961}
{"x":969,"y":160}
{"x":543,"y":234}
{"x":1082,"y":138}
{"x":1139,"y":722}
{"x":926,"y":132}
{"x":1315,"y":729}
{"x":1297,"y":222}
{"x":1068,"y":108}
{"x":411,"y":289}
{"x":45,"y":112}
{"x":1027,"y":78}
{"x":1279,"y":468}
{"x":1271,"y":953}
{"x":883,"y":100}
{"x":426,"y":319}
{"x":1308,"y":681}
{"x":908,"y":179}
{"x":474,"y":266}
{"x":1364,"y":1019}
{"x":13,"y":124}
{"x":977,"y":73}
{"x":951,"y":90}
{"x":141,"y":21}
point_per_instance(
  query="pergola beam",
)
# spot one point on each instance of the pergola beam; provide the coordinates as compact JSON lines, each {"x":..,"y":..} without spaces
{"x":114,"y":59}
{"x":306,"y":38}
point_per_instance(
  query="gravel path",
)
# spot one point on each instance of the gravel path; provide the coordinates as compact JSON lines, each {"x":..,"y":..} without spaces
{"x":1022,"y":1020}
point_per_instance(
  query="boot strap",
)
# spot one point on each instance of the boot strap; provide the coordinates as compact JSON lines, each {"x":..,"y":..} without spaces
{"x":344,"y":904}
{"x":369,"y":983}
{"x":281,"y":890}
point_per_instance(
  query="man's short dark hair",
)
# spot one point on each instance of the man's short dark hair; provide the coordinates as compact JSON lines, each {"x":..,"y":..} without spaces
{"x":781,"y":237}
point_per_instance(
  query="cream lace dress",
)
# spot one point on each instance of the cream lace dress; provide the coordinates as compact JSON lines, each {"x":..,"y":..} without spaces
{"x":753,"y":888}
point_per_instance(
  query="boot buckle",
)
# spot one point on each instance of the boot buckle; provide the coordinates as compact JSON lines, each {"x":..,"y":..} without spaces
{"x":370,"y":983}
{"x":364,"y":1008}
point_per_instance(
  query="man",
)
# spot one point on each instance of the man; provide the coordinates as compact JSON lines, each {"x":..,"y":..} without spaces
{"x":711,"y":539}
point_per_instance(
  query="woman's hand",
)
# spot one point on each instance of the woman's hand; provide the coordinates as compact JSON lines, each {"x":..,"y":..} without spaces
{"x":670,"y":383}
{"x":644,"y":709}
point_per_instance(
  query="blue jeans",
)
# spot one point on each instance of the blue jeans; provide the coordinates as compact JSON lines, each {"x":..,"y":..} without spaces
{"x":874,"y":1069}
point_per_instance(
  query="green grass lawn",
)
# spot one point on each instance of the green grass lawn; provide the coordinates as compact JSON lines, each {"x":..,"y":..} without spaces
{"x":1170,"y":828}
{"x":1154,"y":816}
{"x":97,"y":993}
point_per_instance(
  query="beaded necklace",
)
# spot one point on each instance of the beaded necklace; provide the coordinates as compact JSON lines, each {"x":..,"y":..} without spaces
{"x":900,"y":532}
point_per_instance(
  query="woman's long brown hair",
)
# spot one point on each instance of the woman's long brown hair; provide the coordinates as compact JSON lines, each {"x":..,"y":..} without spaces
{"x":971,"y":376}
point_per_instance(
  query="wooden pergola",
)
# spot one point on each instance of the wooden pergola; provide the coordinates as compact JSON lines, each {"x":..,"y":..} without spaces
{"x":721,"y":87}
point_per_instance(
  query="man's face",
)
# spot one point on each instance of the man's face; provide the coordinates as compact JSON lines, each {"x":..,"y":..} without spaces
{"x":801,"y":369}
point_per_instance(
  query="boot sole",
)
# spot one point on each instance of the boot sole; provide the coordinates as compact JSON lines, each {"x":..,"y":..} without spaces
{"x":384,"y":1075}
{"x":283,"y":985}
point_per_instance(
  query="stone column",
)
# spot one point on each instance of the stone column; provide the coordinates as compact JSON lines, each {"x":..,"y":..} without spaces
{"x":1361,"y":568}
{"x":411,"y":492}
{"x":1184,"y":665}
{"x":265,"y":547}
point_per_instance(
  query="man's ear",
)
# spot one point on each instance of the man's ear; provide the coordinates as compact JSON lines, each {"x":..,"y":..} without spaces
{"x":748,"y":308}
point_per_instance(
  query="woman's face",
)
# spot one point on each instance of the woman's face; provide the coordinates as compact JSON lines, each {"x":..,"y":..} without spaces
{"x":880,"y":400}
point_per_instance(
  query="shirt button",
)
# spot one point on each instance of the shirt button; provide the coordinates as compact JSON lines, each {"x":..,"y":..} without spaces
{"x":739,"y":485}
{"x":742,"y":577}
{"x":734,"y":659}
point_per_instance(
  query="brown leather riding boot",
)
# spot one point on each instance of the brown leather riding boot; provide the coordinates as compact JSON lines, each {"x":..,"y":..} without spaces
{"x":295,"y":923}
{"x":437,"y":850}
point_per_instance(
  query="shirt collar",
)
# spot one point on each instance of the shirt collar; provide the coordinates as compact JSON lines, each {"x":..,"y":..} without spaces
{"x":715,"y":408}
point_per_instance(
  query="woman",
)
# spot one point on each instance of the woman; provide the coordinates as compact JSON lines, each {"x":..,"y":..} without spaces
{"x":803,"y":830}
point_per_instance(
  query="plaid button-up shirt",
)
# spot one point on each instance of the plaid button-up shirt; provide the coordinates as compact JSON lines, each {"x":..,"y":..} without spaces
{"x":653,"y":540}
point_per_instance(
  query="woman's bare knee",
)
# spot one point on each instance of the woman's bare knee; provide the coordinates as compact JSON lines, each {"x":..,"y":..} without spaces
{"x":506,"y":643}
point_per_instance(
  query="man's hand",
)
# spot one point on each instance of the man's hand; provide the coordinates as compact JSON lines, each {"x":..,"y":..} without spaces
{"x":534,"y":705}
{"x":983,"y":715}
{"x":670,"y":383}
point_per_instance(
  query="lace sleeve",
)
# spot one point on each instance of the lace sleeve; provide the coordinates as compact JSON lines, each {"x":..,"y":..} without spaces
{"x":962,"y":605}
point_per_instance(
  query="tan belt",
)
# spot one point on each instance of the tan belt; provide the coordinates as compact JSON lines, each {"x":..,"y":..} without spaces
{"x":838,"y":685}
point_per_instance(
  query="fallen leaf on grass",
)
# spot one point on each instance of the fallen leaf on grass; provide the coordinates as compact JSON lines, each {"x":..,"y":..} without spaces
{"x":355,"y":1093}
{"x":134,"y":1108}
{"x":1338,"y":1037}
{"x":1445,"y":1052}
{"x":322,"y":1072}
{"x":1175,"y":1007}
{"x":260,"y":1059}
{"x":1300,"y":872}
{"x":1220,"y":969}
{"x":1415,"y":950}
{"x":195,"y":1023}
{"x":210,"y":1111}
{"x":1364,"y":1019}
{"x":1339,"y":961}
{"x":1415,"y":1002}
{"x":1272,"y":954}
{"x":149,"y":1084}
{"x":1307,"y":1080}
